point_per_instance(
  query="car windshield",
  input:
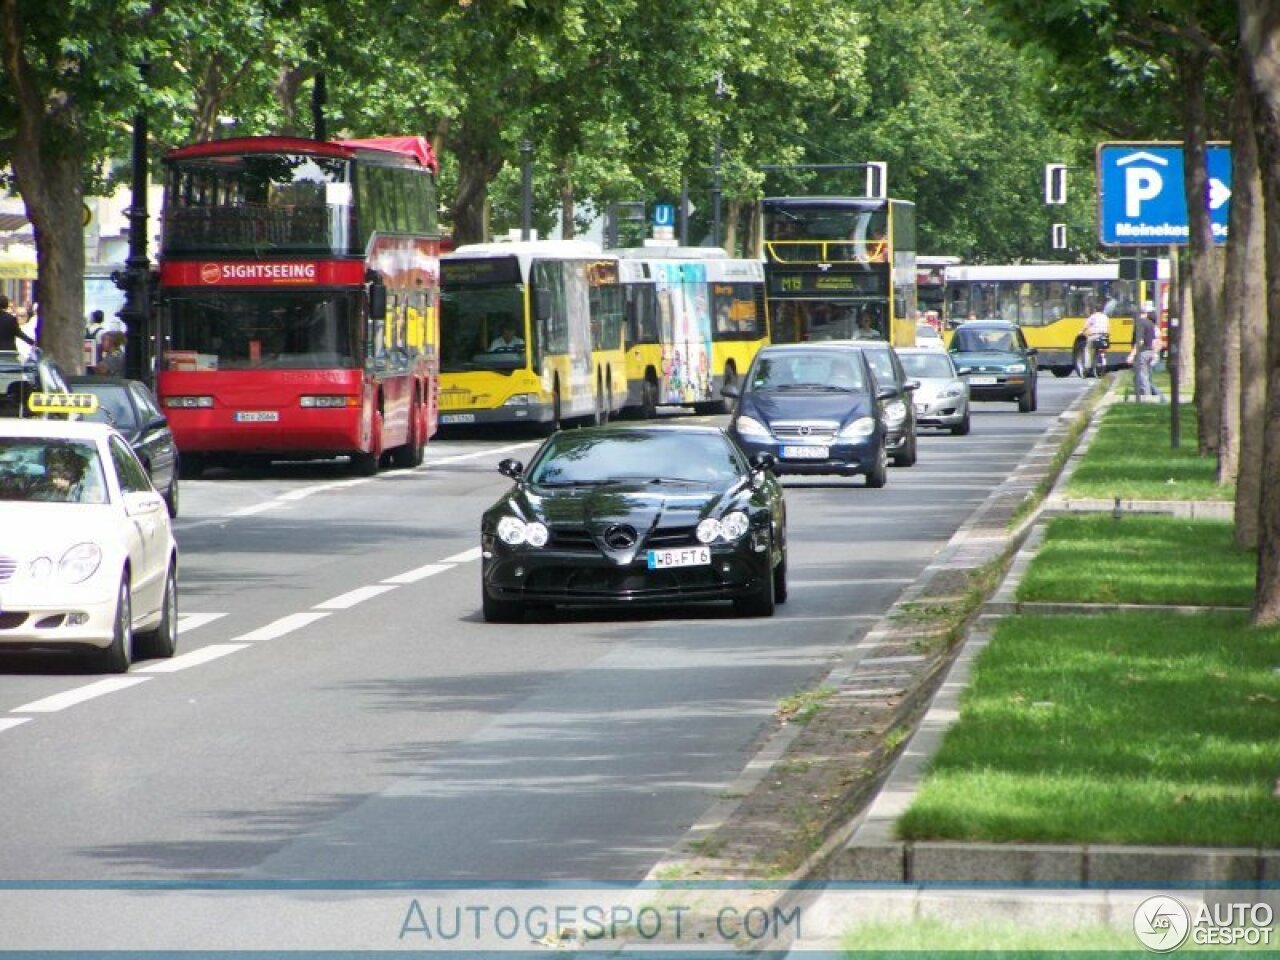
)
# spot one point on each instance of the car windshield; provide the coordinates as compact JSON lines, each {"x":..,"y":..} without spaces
{"x":969,"y":340}
{"x":51,"y":469}
{"x":584,"y":457}
{"x":113,"y":405}
{"x":807,"y":371}
{"x":927,"y":366}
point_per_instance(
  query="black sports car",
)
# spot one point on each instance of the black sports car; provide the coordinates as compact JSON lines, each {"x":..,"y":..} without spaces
{"x":636,"y":514}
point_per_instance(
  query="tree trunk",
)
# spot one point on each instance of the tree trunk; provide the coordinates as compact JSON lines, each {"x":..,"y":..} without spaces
{"x":1206,"y":276}
{"x":567,"y":226}
{"x":476,"y":170}
{"x":1244,"y":167}
{"x":731,"y":219}
{"x":1246,"y":283}
{"x":1260,"y":44}
{"x":48,"y":147}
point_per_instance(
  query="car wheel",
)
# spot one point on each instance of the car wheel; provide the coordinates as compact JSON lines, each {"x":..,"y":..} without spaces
{"x":163,"y":640}
{"x":761,"y":604}
{"x":1035,"y":397}
{"x":501,"y":611}
{"x":961,"y":429}
{"x":906,"y":457}
{"x":115,"y":657}
{"x":171,"y":496}
{"x":1027,"y":400}
{"x":780,"y":580}
{"x":880,"y":472}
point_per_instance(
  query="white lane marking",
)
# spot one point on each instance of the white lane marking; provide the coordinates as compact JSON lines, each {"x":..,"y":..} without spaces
{"x":421,"y":573}
{"x":60,"y":701}
{"x":854,"y":582}
{"x":278,"y":628}
{"x":255,"y":509}
{"x":466,"y":556}
{"x":195,"y":658}
{"x":193,"y":621}
{"x":348,"y":600}
{"x":321,"y":488}
{"x":10,"y":723}
{"x":457,"y":458}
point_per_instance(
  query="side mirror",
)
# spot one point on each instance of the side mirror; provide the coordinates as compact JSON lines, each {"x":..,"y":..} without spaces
{"x":731,"y":391}
{"x":1032,"y":352}
{"x":761,"y":462}
{"x":511,"y":468}
{"x":378,"y":300}
{"x":542,"y":304}
{"x":911,"y":385}
{"x":886,"y":393}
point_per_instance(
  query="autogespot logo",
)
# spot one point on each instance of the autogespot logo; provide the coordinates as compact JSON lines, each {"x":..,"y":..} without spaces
{"x":1161,"y":924}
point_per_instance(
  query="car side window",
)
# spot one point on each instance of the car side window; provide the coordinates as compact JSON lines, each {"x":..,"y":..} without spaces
{"x":133,"y":479}
{"x":147,"y":410}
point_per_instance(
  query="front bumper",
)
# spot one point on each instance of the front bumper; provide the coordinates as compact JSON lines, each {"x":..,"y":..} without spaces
{"x":844,"y":457}
{"x":586,"y":577}
{"x":524,"y":413}
{"x":72,"y":616}
{"x":1006,"y":387}
{"x":943,"y":412}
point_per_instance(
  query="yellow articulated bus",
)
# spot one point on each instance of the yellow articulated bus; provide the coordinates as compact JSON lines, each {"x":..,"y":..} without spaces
{"x":1050,"y":301}
{"x":694,"y":320}
{"x":531,"y":332}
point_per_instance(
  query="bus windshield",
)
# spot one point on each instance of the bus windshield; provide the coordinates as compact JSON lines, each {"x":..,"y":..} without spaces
{"x":477,"y":321}
{"x":299,"y":330}
{"x":265,"y":202}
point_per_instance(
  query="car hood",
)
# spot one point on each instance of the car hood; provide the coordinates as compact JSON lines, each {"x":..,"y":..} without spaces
{"x":785,"y":405}
{"x":645,"y":509}
{"x":33,"y":529}
{"x":932,"y":387}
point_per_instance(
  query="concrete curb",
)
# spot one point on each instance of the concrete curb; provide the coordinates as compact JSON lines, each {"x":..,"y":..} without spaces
{"x":872,"y":853}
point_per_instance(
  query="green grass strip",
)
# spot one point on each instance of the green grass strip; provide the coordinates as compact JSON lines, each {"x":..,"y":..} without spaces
{"x":1130,"y":457}
{"x":1140,"y":559}
{"x":1133,"y":728}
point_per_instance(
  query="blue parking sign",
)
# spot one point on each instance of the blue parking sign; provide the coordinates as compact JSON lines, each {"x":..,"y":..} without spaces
{"x":1141,"y":197}
{"x":664,"y":215}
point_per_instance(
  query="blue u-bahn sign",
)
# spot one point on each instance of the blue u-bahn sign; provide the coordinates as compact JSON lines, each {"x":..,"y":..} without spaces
{"x":1141,"y":197}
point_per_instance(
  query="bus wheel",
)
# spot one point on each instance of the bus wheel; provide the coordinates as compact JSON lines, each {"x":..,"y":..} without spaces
{"x":1080,"y":360}
{"x":649,"y":398}
{"x":553,"y":424}
{"x":366,"y":464}
{"x":191,"y":466}
{"x":730,"y":380}
{"x":411,"y":454}
{"x":598,"y":418}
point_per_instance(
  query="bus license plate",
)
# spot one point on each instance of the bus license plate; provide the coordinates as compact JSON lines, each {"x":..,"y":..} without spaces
{"x":806,"y":453}
{"x":686,"y":557}
{"x":982,"y":381}
{"x":257,"y":416}
{"x":457,"y":418}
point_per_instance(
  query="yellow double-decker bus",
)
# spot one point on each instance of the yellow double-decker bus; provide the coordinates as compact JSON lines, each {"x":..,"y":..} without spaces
{"x":839,"y":268}
{"x":695,"y":318}
{"x":531,"y":332}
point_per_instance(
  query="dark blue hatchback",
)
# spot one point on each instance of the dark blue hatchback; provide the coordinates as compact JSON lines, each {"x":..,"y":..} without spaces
{"x":816,"y":408}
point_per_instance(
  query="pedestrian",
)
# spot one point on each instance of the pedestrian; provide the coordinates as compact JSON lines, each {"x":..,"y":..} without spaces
{"x":1146,"y":343}
{"x":10,"y":328}
{"x":111,"y":363}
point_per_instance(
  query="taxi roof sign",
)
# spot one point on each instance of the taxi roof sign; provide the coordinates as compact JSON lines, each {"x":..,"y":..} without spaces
{"x":62,"y":403}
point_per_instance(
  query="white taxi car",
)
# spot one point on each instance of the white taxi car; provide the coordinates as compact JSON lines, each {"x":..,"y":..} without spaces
{"x":87,"y":556}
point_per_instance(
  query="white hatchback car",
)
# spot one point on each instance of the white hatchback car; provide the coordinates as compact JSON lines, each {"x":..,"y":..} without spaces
{"x":87,"y":556}
{"x":942,"y":399}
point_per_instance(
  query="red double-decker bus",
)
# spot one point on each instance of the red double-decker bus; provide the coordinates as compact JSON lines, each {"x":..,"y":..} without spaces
{"x":299,"y":300}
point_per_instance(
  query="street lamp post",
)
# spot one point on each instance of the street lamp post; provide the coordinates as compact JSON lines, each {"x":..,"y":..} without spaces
{"x":136,"y":312}
{"x":526,"y":189}
{"x":715,"y":175}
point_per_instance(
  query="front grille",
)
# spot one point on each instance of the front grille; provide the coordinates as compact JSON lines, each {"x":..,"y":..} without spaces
{"x":571,"y":538}
{"x":579,"y":538}
{"x":7,"y":567}
{"x":673,"y":537}
{"x":820,"y":431}
{"x":12,"y":619}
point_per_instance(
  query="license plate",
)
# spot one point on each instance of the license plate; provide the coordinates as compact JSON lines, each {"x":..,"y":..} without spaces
{"x":806,"y":453}
{"x":257,"y":416}
{"x":457,"y":418}
{"x":982,"y":381}
{"x":685,"y":557}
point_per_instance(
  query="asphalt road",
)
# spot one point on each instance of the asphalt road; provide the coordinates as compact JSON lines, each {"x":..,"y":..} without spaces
{"x":339,"y":711}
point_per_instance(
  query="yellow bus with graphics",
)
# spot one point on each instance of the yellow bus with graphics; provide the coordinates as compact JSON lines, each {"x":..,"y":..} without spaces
{"x":531,"y":332}
{"x":840,"y":268}
{"x":695,"y":318}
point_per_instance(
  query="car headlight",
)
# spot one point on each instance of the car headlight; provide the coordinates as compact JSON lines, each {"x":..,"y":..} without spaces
{"x":895,"y":411}
{"x":862,"y":427}
{"x":79,"y":563}
{"x":41,"y":567}
{"x":732,"y":526}
{"x":1016,"y":368}
{"x":955,"y":390}
{"x":963,"y":369}
{"x":513,"y":531}
{"x":750,"y":427}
